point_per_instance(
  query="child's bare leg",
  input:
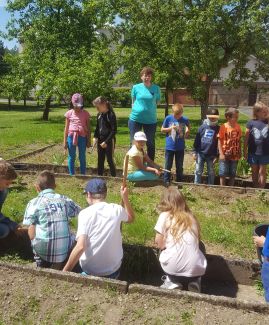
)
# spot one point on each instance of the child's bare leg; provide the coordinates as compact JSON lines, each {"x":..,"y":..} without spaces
{"x":255,"y":175}
{"x":231,"y":181}
{"x":262,"y":176}
{"x":222,"y":180}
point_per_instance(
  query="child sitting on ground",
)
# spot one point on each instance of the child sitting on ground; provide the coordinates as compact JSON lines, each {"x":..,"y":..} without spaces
{"x":178,"y":235}
{"x":206,"y":146}
{"x":177,"y":128}
{"x":7,"y":176}
{"x":47,"y":216}
{"x":104,"y":135}
{"x":140,"y":166}
{"x":256,"y":145}
{"x":229,"y":145}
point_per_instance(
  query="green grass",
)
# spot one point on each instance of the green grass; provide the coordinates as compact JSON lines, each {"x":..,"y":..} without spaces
{"x":23,"y":130}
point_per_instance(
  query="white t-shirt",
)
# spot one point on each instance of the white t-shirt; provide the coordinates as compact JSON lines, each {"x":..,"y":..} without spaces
{"x":182,"y":258}
{"x":101,"y":223}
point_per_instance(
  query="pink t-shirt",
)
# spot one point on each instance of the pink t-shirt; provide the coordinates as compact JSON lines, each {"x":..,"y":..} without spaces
{"x":78,"y":122}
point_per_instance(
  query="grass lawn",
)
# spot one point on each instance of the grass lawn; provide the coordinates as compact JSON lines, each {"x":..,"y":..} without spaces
{"x":22,"y":130}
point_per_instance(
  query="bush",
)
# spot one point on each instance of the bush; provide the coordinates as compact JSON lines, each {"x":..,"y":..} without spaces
{"x":121,"y":96}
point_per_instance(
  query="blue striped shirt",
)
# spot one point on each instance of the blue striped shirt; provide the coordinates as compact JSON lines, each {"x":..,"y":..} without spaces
{"x":50,"y":213}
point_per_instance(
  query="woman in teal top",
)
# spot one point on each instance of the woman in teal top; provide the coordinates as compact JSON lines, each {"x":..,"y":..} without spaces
{"x":145,"y":97}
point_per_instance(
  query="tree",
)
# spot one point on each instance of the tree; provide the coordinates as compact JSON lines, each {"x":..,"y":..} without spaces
{"x":188,"y":42}
{"x":60,"y":47}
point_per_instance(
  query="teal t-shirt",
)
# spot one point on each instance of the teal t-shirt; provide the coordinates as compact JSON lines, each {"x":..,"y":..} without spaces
{"x":145,"y":103}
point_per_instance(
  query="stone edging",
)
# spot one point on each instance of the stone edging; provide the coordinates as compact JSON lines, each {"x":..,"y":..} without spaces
{"x":123,"y":287}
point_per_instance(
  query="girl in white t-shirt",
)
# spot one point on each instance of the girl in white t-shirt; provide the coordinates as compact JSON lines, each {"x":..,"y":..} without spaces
{"x":178,"y":235}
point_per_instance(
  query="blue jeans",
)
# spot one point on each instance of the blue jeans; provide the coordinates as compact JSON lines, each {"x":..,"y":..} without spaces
{"x":150,"y":130}
{"x":82,"y":141}
{"x":201,"y":159}
{"x":141,"y":175}
{"x":169,"y":157}
{"x":114,"y":275}
{"x":265,"y":279}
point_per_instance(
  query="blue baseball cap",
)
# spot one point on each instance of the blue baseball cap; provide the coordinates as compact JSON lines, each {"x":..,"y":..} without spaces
{"x":96,"y":186}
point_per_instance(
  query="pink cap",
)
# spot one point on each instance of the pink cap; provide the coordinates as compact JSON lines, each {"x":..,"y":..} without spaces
{"x":77,"y":100}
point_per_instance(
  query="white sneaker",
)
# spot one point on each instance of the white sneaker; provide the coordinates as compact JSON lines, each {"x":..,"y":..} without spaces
{"x":168,"y":284}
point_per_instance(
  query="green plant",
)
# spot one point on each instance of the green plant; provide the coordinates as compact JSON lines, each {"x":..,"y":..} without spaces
{"x":58,"y":158}
{"x":259,"y":287}
{"x":263,"y":197}
{"x":243,"y":168}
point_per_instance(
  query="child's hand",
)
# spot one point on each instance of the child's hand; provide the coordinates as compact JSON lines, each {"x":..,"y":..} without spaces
{"x":157,"y":171}
{"x":258,"y":241}
{"x":124,"y":193}
{"x":194,"y":156}
{"x":187,"y":133}
{"x":221,"y":157}
{"x":103,"y":145}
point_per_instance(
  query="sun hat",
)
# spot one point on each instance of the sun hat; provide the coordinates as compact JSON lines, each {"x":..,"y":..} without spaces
{"x":96,"y":186}
{"x":212,"y":112}
{"x":77,"y":100}
{"x":140,"y":136}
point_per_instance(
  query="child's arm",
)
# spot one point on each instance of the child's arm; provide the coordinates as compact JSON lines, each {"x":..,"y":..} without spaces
{"x":127,"y":205}
{"x":31,"y":232}
{"x":168,"y":129}
{"x":221,"y":154}
{"x":88,"y":133}
{"x":141,"y":166}
{"x":66,"y":128}
{"x":246,"y":143}
{"x":151,"y":164}
{"x":159,"y":241}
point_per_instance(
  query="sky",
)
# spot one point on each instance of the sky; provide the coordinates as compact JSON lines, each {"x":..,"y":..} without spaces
{"x":4,"y":18}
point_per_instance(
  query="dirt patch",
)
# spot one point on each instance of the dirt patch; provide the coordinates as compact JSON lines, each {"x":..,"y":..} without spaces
{"x":28,"y":299}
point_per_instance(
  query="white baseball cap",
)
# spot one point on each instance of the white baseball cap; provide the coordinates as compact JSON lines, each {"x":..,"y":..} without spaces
{"x":140,"y":136}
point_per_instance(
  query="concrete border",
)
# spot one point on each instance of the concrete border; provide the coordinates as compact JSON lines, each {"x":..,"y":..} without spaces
{"x":121,"y":286}
{"x":31,"y":153}
{"x":191,"y":296}
{"x":22,"y":169}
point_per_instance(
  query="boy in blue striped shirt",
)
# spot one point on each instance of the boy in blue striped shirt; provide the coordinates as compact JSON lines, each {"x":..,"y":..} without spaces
{"x":47,"y":216}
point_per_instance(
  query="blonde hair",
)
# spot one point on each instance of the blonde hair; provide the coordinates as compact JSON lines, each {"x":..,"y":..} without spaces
{"x":177,"y":108}
{"x":181,"y":217}
{"x":258,"y":106}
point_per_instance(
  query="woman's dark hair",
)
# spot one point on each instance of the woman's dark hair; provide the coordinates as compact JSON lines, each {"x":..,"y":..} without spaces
{"x":102,"y":100}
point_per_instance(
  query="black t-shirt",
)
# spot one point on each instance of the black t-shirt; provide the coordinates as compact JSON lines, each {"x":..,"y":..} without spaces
{"x":258,"y":142}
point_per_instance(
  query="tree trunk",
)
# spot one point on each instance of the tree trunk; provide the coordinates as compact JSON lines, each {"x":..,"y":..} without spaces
{"x":24,"y":102}
{"x":46,"y":110}
{"x":9,"y":103}
{"x":166,"y":101}
{"x":205,"y":100}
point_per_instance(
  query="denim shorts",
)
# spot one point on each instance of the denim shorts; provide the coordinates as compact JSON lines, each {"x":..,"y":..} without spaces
{"x":258,"y":159}
{"x":227,"y":168}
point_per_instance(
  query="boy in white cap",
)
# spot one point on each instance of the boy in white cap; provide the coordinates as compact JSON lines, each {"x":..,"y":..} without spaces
{"x":99,"y":241}
{"x":140,"y":166}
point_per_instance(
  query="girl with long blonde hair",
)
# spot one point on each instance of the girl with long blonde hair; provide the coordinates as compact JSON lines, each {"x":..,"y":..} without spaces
{"x":178,"y":236}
